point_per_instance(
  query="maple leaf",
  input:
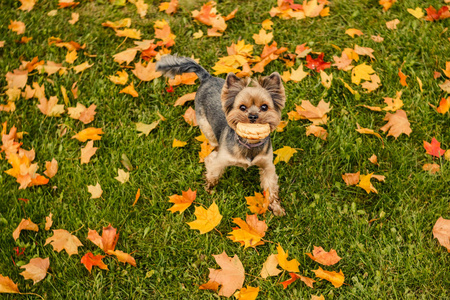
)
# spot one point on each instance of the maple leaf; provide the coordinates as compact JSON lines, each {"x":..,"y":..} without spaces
{"x":82,"y":67}
{"x":248,"y":293}
{"x":75,"y":18}
{"x":197,"y":34}
{"x":122,"y":77}
{"x":96,"y":191}
{"x":373,"y":159}
{"x":258,"y":204}
{"x":181,"y":203}
{"x":337,"y":279}
{"x":317,"y":115}
{"x":418,"y":12}
{"x":169,"y":7}
{"x":445,"y":86}
{"x":317,"y":131}
{"x":24,"y":225}
{"x":51,"y":168}
{"x":183,"y":99}
{"x":17,"y":26}
{"x":123,"y":257}
{"x":326,"y":79}
{"x":298,"y":75}
{"x":147,"y":73}
{"x":317,"y":64}
{"x":432,"y":168}
{"x":291,"y":265}
{"x":364,"y":51}
{"x":373,"y":84}
{"x":263,"y":38}
{"x":126,"y":22}
{"x":122,"y":176}
{"x":129,"y":33}
{"x":205,"y":150}
{"x":250,"y":232}
{"x":364,"y":183}
{"x":48,"y":222}
{"x":360,"y":72}
{"x":146,"y":128}
{"x":189,"y":117}
{"x":27,"y":5}
{"x":343,"y":62}
{"x":18,"y":78}
{"x":163,"y":32}
{"x":267,"y":24}
{"x":87,"y":152}
{"x":36,"y":269}
{"x":302,"y":50}
{"x":397,"y":124}
{"x":62,"y":239}
{"x":127,"y":56}
{"x":231,"y":276}
{"x":441,"y":231}
{"x":90,"y":133}
{"x":129,"y":90}
{"x":402,"y":77}
{"x":8,"y":286}
{"x":185,"y":78}
{"x":294,"y":276}
{"x":351,"y":178}
{"x":444,"y":105}
{"x":433,"y":15}
{"x":284,"y":154}
{"x":141,"y":7}
{"x":392,"y":24}
{"x":281,"y":126}
{"x":353,"y":31}
{"x":107,"y":241}
{"x":325,"y":258}
{"x":89,"y":260}
{"x":386,"y":4}
{"x":270,"y":267}
{"x":434,"y":148}
{"x":178,"y":144}
{"x":207,"y":219}
{"x":50,"y":108}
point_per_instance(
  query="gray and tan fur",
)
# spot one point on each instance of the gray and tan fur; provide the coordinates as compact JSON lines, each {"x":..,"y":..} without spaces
{"x":221,"y":104}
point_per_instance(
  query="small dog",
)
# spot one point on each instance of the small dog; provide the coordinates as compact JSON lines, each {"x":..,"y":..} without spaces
{"x":220,"y":105}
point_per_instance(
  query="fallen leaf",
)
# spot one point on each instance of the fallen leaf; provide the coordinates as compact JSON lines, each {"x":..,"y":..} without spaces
{"x":351,"y":178}
{"x":284,"y":154}
{"x":397,"y":124}
{"x":291,"y":265}
{"x":402,"y":77}
{"x":373,"y":84}
{"x":129,"y":33}
{"x":281,"y":126}
{"x":353,"y":31}
{"x":434,"y":15}
{"x":230,"y":277}
{"x":147,"y":73}
{"x":107,"y":241}
{"x":129,"y":90}
{"x":189,"y":117}
{"x":314,"y":297}
{"x":373,"y":159}
{"x":89,"y":260}
{"x":360,"y":72}
{"x":118,"y":24}
{"x":368,"y":131}
{"x":294,"y":276}
{"x":48,"y":222}
{"x":263,"y":38}
{"x":270,"y":267}
{"x":51,"y":108}
{"x":36,"y":269}
{"x":393,"y":104}
{"x":434,"y":148}
{"x":250,"y":232}
{"x":183,"y":99}
{"x":258,"y":204}
{"x":298,"y":75}
{"x":122,"y":77}
{"x":432,"y":168}
{"x":90,"y":133}
{"x":317,"y":131}
{"x":325,"y":258}
{"x":27,"y":5}
{"x":205,"y":150}
{"x":8,"y":286}
{"x":364,"y":183}
{"x":317,"y":64}
{"x":207,"y":219}
{"x":337,"y":279}
{"x":24,"y":225}
{"x":17,"y":26}
{"x":51,"y":168}
{"x":178,"y":144}
{"x":418,"y":12}
{"x":123,"y":176}
{"x":248,"y":293}
{"x":123,"y":257}
{"x":315,"y":114}
{"x":181,"y":203}
{"x":441,"y":231}
{"x":146,"y":128}
{"x":96,"y":191}
{"x":87,"y":152}
{"x":127,"y":56}
{"x":62,"y":239}
{"x":82,"y":67}
{"x":392,"y":24}
{"x":267,"y":24}
{"x":169,"y":7}
{"x":444,"y":105}
{"x":198,"y":34}
{"x":75,"y":18}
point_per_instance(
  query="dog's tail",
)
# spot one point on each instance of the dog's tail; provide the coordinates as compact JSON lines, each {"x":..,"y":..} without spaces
{"x":171,"y":65}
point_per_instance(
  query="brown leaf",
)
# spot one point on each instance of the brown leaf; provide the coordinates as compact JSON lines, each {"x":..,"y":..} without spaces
{"x":87,"y":152}
{"x":441,"y":231}
{"x":325,"y":258}
{"x":231,"y":276}
{"x":433,"y":168}
{"x":146,"y":73}
{"x":183,"y":99}
{"x":189,"y":117}
{"x":36,"y":269}
{"x":270,"y":267}
{"x":62,"y":239}
{"x":48,"y":221}
{"x":51,"y":168}
{"x":24,"y":225}
{"x":8,"y":286}
{"x":397,"y":124}
{"x":351,"y":178}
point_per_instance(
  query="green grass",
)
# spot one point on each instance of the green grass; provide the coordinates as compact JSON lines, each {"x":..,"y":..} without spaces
{"x":392,"y":257}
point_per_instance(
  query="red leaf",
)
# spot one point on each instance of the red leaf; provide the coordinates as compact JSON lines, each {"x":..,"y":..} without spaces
{"x":434,"y":148}
{"x":90,"y":260}
{"x":433,"y":15}
{"x":317,"y":64}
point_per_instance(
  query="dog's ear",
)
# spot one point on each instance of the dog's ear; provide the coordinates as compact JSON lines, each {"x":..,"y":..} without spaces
{"x":233,"y":85}
{"x":274,"y":86}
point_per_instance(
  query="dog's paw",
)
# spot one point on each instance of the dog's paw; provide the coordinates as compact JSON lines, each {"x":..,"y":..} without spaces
{"x":276,"y":209}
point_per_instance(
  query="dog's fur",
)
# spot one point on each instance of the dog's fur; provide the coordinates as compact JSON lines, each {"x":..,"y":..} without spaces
{"x":219,"y":106}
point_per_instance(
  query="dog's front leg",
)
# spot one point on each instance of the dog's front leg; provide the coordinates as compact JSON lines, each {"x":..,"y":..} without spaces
{"x":269,"y":182}
{"x":214,"y":170}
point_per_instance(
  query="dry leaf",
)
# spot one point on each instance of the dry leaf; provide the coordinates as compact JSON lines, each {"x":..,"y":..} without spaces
{"x":82,"y":67}
{"x":291,"y":265}
{"x":294,"y":276}
{"x":89,"y":260}
{"x":392,"y":24}
{"x":147,"y":73}
{"x":441,"y":231}
{"x":123,"y":257}
{"x":270,"y":267}
{"x":107,"y":241}
{"x":48,"y":222}
{"x":96,"y":191}
{"x":248,"y":293}
{"x":51,"y":168}
{"x":87,"y":152}
{"x":284,"y":154}
{"x":365,"y":183}
{"x":207,"y":219}
{"x":24,"y":225}
{"x":17,"y":26}
{"x":250,"y":232}
{"x":146,"y":128}
{"x":434,"y":148}
{"x":353,"y":31}
{"x":181,"y":203}
{"x":351,"y":178}
{"x":36,"y":269}
{"x":325,"y":258}
{"x":397,"y":124}
{"x":337,"y":279}
{"x":50,"y":108}
{"x":62,"y":239}
{"x":123,"y":176}
{"x":263,"y":38}
{"x":258,"y":204}
{"x":129,"y":90}
{"x":183,"y":99}
{"x":432,"y":168}
{"x":189,"y":117}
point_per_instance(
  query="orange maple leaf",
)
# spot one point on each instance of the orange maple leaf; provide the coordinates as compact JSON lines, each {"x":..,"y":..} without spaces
{"x":250,"y":232}
{"x":444,"y":105}
{"x":337,"y":279}
{"x":123,"y":257}
{"x":258,"y":204}
{"x":87,"y":152}
{"x":62,"y":239}
{"x":294,"y":276}
{"x":8,"y":286}
{"x":107,"y":241}
{"x":325,"y":258}
{"x":181,"y":203}
{"x":89,"y":260}
{"x":402,"y":77}
{"x":90,"y":133}
{"x":189,"y":117}
{"x":434,"y":148}
{"x":24,"y":225}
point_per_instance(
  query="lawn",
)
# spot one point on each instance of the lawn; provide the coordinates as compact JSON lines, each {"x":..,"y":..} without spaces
{"x":385,"y":239}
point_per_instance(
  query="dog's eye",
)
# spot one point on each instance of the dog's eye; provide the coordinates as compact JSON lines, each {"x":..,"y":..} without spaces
{"x":243,"y":107}
{"x":264,"y":107}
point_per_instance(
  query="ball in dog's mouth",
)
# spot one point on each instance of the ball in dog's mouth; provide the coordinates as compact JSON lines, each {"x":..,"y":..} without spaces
{"x":253,"y":131}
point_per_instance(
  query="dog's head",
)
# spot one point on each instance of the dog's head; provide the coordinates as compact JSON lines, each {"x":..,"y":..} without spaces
{"x":247,"y":101}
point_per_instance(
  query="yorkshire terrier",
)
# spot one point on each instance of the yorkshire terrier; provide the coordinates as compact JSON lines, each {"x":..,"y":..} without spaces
{"x":220,"y":105}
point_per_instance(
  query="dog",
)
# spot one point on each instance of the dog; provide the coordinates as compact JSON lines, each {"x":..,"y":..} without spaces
{"x":219,"y":106}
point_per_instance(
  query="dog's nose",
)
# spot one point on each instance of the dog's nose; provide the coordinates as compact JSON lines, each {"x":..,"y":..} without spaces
{"x":252,"y":118}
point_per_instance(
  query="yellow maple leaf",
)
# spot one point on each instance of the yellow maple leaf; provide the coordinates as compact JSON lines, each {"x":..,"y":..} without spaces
{"x":71,"y":56}
{"x":95,"y":190}
{"x":299,"y":74}
{"x":250,"y":232}
{"x":291,"y":265}
{"x":27,"y":5}
{"x":258,"y":204}
{"x":129,"y":33}
{"x":207,"y":219}
{"x":360,"y":72}
{"x":129,"y":90}
{"x":267,"y":24}
{"x":393,"y":104}
{"x":122,"y":176}
{"x":364,"y":183}
{"x":178,"y":144}
{"x":90,"y":133}
{"x":122,"y":77}
{"x":263,"y":38}
{"x":337,"y":279}
{"x":50,"y":107}
{"x":353,"y":31}
{"x":82,"y":67}
{"x":248,"y":293}
{"x":17,"y":26}
{"x":418,"y":12}
{"x":284,"y":154}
